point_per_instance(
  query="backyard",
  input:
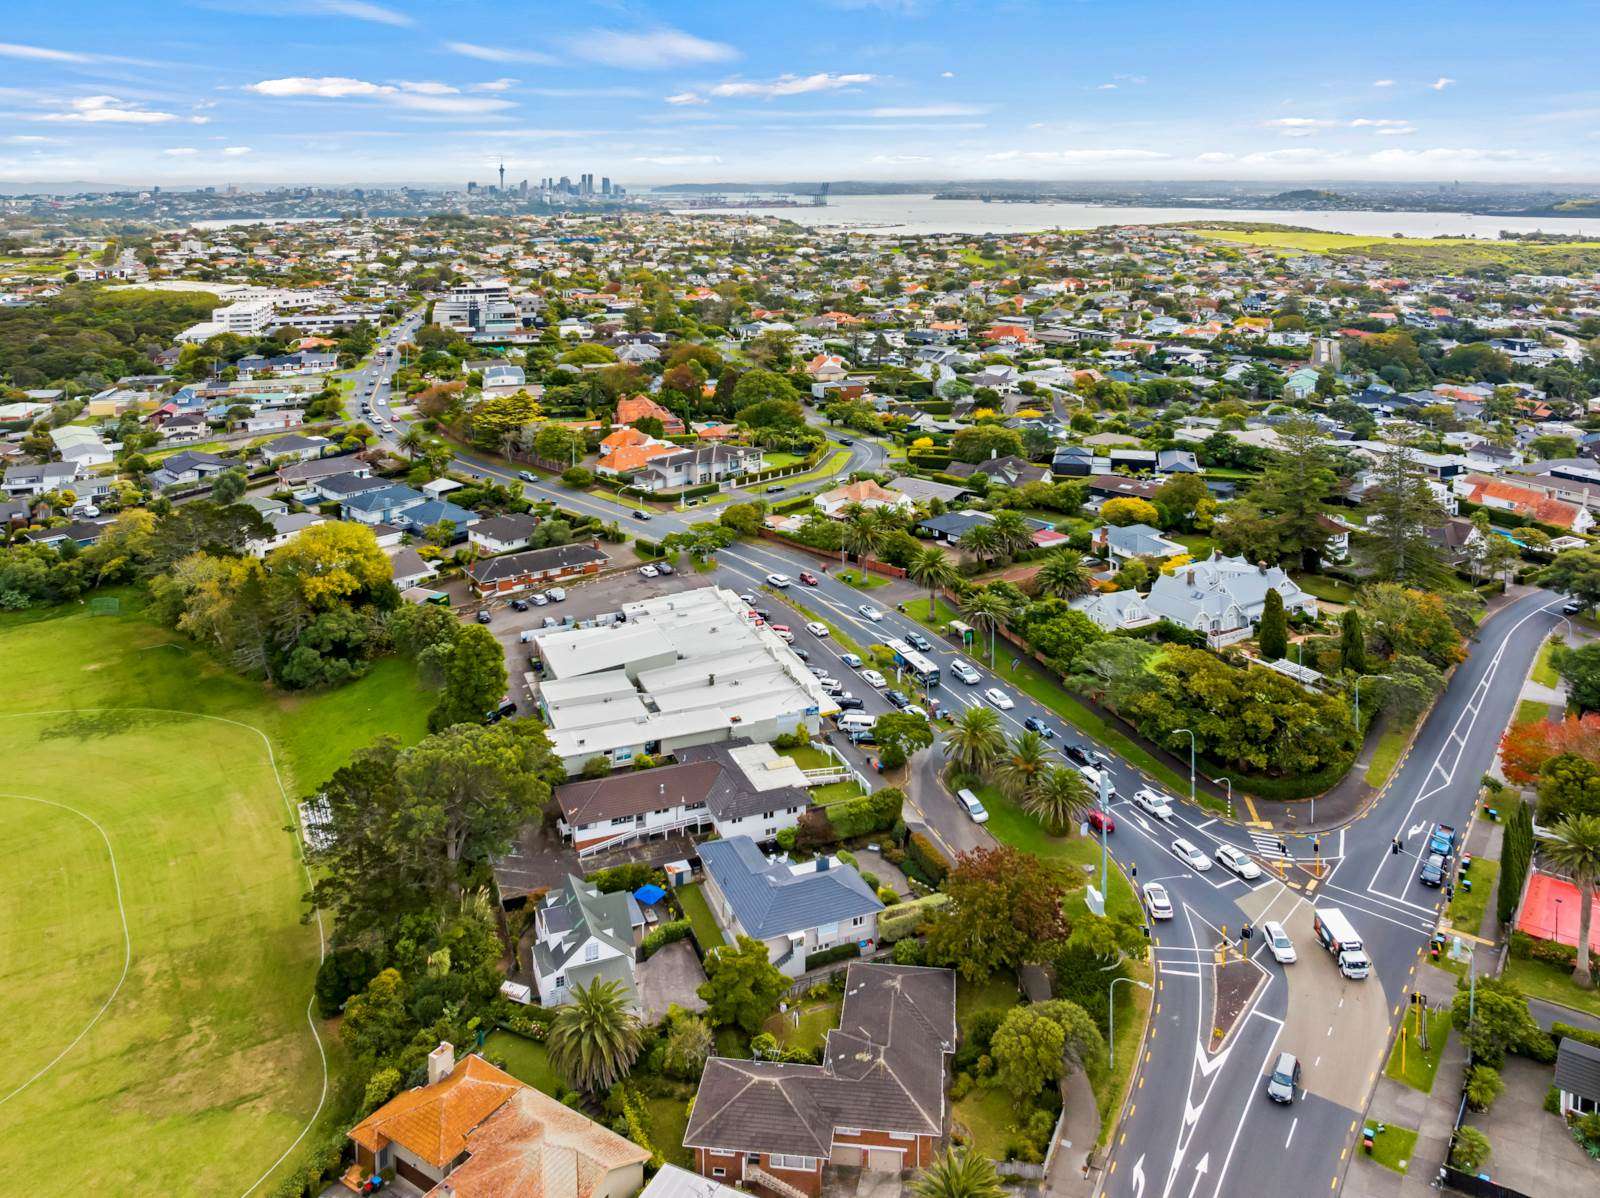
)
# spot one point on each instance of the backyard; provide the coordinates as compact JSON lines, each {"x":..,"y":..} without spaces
{"x":704,"y":925}
{"x":804,"y":1027}
{"x":152,"y":900}
{"x":986,"y":1112}
{"x":526,"y":1060}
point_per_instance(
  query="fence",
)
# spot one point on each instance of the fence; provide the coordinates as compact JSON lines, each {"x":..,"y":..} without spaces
{"x":1478,"y":1187}
{"x":830,"y":556}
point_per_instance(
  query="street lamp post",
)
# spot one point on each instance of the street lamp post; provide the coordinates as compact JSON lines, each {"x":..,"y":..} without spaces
{"x":1111,"y":1006}
{"x":1360,"y":678}
{"x":1558,"y":921}
{"x":1191,"y":760}
{"x":1105,"y":823}
{"x":1228,"y":782}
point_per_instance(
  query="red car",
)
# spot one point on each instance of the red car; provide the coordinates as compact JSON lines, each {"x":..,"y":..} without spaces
{"x":1099,"y":819}
{"x":808,"y":579}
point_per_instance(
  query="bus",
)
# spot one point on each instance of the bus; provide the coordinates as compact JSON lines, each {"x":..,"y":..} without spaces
{"x":919,"y":667}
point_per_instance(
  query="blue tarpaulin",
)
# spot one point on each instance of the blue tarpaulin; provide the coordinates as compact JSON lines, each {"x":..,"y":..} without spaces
{"x":649,"y":895}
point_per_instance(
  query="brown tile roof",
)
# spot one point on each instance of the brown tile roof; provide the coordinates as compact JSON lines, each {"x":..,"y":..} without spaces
{"x":433,"y":1122}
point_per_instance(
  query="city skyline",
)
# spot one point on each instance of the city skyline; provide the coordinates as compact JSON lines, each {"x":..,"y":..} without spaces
{"x":350,"y":91}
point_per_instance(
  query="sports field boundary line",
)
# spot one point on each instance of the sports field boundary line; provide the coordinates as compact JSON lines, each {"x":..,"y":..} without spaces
{"x":305,"y":865}
{"x":127,"y":940}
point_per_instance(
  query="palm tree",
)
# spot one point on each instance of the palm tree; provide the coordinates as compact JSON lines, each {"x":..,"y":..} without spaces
{"x":1059,"y":799}
{"x":1063,"y":575}
{"x":1023,"y":766}
{"x":987,"y":609}
{"x":412,"y":440}
{"x":1011,"y":533}
{"x":862,"y":534}
{"x":958,"y":1172}
{"x":975,"y":742}
{"x":595,"y":1038}
{"x":981,"y":541}
{"x":931,"y":569}
{"x":1575,"y":850}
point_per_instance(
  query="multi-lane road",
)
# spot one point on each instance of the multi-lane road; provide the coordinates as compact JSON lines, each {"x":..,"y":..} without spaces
{"x":1197,"y":1123}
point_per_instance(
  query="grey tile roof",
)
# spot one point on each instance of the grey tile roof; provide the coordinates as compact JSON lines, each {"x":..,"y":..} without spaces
{"x":1578,"y":1068}
{"x":768,"y":900}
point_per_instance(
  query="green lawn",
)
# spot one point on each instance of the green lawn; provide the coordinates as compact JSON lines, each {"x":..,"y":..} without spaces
{"x":836,"y":792}
{"x":807,"y":757}
{"x":1468,"y":906}
{"x":669,"y":1119}
{"x":1197,"y":543}
{"x":159,"y":761}
{"x":1386,"y":756}
{"x":1011,"y":825}
{"x":1392,"y":1147}
{"x":701,"y":921}
{"x":990,"y":1119}
{"x":777,"y":461}
{"x":1530,"y":711}
{"x":1543,"y":672}
{"x":861,"y":580}
{"x":804,"y":1027}
{"x":1419,"y":1065}
{"x":996,"y":993}
{"x":526,"y":1060}
{"x":1553,"y":983}
{"x":1334,"y":590}
{"x":827,"y":468}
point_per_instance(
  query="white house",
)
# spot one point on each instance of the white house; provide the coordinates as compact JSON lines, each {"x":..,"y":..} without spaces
{"x":866,"y":493}
{"x":581,"y":936}
{"x":1223,"y":597}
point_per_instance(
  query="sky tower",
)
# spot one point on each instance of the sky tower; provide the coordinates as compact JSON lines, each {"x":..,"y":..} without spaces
{"x":502,"y":177}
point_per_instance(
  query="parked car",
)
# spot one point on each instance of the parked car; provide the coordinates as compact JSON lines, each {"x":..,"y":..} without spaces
{"x":783,"y":633}
{"x":1034,"y":724}
{"x":807,"y":578}
{"x":519,"y":605}
{"x":663,"y":568}
{"x":874,"y":679}
{"x":832,"y":686}
{"x":1572,"y":607}
{"x":802,"y":654}
{"x":1156,"y":901}
{"x":1190,"y":855}
{"x":914,"y":709}
{"x":999,"y":698}
{"x":966,"y":673}
{"x":1152,"y":802}
{"x":558,"y":595}
{"x":817,"y":629}
{"x":1278,"y":942}
{"x":538,"y":599}
{"x":1101,"y":821}
{"x":781,"y":581}
{"x":975,"y":808}
{"x":870,"y":612}
{"x":848,"y":702}
{"x":1284,"y":1079}
{"x":1237,"y":861}
{"x":648,"y":572}
{"x":484,"y":617}
{"x":897,"y":699}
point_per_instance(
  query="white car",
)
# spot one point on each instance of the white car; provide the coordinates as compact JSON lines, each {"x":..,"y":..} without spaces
{"x":1093,"y":777}
{"x":974,"y":806}
{"x":999,"y":698}
{"x":913,"y":709}
{"x":783,"y":634}
{"x":1152,"y":802}
{"x":1156,"y":901}
{"x":851,"y":660}
{"x":817,"y":628}
{"x":874,"y":679}
{"x":831,"y":685}
{"x":778,"y":580}
{"x":648,"y":572}
{"x":870,"y":612}
{"x":966,"y":673}
{"x":1278,"y":942}
{"x":1191,"y":856}
{"x":1234,"y":859}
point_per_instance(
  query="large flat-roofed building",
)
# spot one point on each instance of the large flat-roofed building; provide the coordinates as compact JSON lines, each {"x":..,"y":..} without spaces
{"x":691,"y":668}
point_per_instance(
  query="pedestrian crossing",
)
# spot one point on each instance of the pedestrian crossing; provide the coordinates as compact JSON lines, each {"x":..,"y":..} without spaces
{"x":1268,"y":845}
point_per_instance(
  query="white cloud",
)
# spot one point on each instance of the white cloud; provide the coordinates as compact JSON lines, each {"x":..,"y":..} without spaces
{"x":680,"y":159}
{"x":1442,"y":82}
{"x":1078,"y":156}
{"x":789,"y":85}
{"x":947,"y":74}
{"x":900,"y":159}
{"x":360,"y":10}
{"x":329,"y":87}
{"x":931,"y":110}
{"x":1298,"y":122}
{"x":648,"y":50}
{"x":1106,"y":87}
{"x":1443,"y":155}
{"x":494,"y":85}
{"x":181,"y":152}
{"x":1365,"y":122}
{"x":418,"y":96}
{"x":686,"y":98}
{"x":43,"y":54}
{"x":1383,"y":83}
{"x":236,"y":151}
{"x":426,"y":88}
{"x":110,"y":110}
{"x":499,"y":53}
{"x":1400,"y":130}
{"x":1215,"y":156}
{"x":1306,"y":154}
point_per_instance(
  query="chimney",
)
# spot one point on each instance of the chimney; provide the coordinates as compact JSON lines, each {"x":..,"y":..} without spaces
{"x":823,"y":862}
{"x":441,"y":1061}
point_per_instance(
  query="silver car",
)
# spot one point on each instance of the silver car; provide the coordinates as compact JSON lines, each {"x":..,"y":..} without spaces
{"x":1285,"y":1079}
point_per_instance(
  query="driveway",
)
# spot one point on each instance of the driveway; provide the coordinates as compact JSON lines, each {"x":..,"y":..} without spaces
{"x":1532,"y":1150}
{"x":670,"y":978}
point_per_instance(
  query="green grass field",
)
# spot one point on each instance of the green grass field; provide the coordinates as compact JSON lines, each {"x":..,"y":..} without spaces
{"x":155,"y":970}
{"x":1543,"y":672}
{"x":1467,"y":907}
{"x":1529,"y":711}
{"x":805,"y":1027}
{"x":1553,"y":983}
{"x":1386,"y":756}
{"x":1409,"y":1062}
{"x":698,"y":913}
{"x":526,"y":1060}
{"x":1392,"y":1147}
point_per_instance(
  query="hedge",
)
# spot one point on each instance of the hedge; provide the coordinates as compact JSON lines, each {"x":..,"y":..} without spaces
{"x":644,"y":548}
{"x":1516,"y":854}
{"x":626,"y":877}
{"x":1564,"y":1030}
{"x":667,"y":933}
{"x":839,"y":952}
{"x":926,"y":862}
{"x":876,"y":812}
{"x":1529,"y":948}
{"x":902,"y":920}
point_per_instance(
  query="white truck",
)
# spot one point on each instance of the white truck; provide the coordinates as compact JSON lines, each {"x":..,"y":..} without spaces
{"x":1336,"y":934}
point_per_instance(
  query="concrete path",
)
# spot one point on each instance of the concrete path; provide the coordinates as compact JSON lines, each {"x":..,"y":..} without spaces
{"x":1069,"y":1172}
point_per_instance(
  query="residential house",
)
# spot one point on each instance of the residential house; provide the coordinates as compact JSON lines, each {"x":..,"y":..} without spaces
{"x":431,"y":512}
{"x":81,"y":446}
{"x":1577,"y":1080}
{"x":503,"y":378}
{"x":1102,"y":487}
{"x":535,"y":567}
{"x":298,"y":475}
{"x":1223,"y":597}
{"x":696,"y":466}
{"x":826,"y":368}
{"x":187,"y":468}
{"x":293,"y":448}
{"x":474,"y":1131}
{"x":1075,"y":461}
{"x":410,"y":568}
{"x":922,"y":490}
{"x":1119,"y":544}
{"x":1176,"y":461}
{"x":183,"y":428}
{"x":380,"y":505}
{"x":949,"y":528}
{"x":630,"y":438}
{"x":795,"y":909}
{"x":1008,"y":471}
{"x":502,"y":534}
{"x":285,"y":526}
{"x":40,"y":478}
{"x":581,"y":936}
{"x":1113,"y":610}
{"x":866,"y":494}
{"x":1529,"y":502}
{"x":642,"y":407}
{"x":1457,"y":541}
{"x":876,"y":1100}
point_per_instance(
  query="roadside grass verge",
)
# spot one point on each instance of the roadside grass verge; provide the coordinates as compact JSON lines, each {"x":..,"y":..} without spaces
{"x":1386,"y":756}
{"x":1410,"y":1063}
{"x":1530,"y":711}
{"x":1467,"y":907}
{"x":1392,"y":1147}
{"x":1544,"y":673}
{"x":1553,"y":983}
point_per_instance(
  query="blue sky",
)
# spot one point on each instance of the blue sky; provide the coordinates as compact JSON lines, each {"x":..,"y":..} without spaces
{"x":372,"y":91}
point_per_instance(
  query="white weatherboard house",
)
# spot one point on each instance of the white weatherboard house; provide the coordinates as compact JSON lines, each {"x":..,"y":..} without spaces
{"x":581,"y":935}
{"x":1222,"y":597}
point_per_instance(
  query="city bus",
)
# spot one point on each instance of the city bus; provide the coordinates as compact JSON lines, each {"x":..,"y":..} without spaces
{"x":919,"y":667}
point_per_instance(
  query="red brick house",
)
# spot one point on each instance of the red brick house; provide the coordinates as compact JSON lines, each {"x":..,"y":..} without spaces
{"x":514,"y":572}
{"x":877,"y":1099}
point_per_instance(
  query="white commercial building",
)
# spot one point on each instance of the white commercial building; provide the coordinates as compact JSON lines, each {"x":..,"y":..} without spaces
{"x":692,"y":668}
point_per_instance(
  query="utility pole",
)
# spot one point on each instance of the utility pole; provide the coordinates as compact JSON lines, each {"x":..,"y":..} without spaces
{"x":1191,"y":760}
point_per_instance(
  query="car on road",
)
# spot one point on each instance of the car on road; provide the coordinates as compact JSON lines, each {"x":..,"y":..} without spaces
{"x":1093,"y":776}
{"x":1156,"y":901}
{"x":851,"y":660}
{"x":975,"y":809}
{"x":1034,"y":724}
{"x":846,"y":441}
{"x":775,"y":488}
{"x":1278,"y":942}
{"x":966,"y":673}
{"x":897,"y":700}
{"x":874,"y":679}
{"x":527,"y":476}
{"x":637,"y":515}
{"x":538,"y":598}
{"x":1100,"y":821}
{"x":870,"y":612}
{"x":484,"y":617}
{"x":747,"y":598}
{"x":781,"y":581}
{"x":918,"y":641}
{"x":1152,"y":802}
{"x":817,"y":628}
{"x":1236,"y":860}
{"x":1284,"y":1079}
{"x":1432,"y":872}
{"x":807,"y":578}
{"x":648,"y":572}
{"x":783,"y":633}
{"x":1082,"y":755}
{"x":999,"y":698}
{"x":1190,"y":855}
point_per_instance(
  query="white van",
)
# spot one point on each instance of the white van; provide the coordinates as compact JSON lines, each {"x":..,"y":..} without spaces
{"x":852,"y":722}
{"x":975,"y":808}
{"x":556,"y":594}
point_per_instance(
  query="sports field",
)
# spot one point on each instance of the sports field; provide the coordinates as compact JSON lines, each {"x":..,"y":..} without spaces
{"x":154,"y":972}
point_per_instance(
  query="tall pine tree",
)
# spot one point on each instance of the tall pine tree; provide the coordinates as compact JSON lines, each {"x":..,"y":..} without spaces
{"x":1403,"y":508}
{"x":1273,"y":633}
{"x":1353,"y":642}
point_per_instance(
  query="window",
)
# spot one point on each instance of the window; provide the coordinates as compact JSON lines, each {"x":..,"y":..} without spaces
{"x":779,"y":1161}
{"x":847,"y":1131}
{"x":856,"y":922}
{"x":560,"y":981}
{"x":591,"y":951}
{"x":753,"y":1158}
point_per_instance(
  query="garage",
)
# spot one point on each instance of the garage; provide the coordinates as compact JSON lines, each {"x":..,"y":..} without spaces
{"x":845,"y":1155}
{"x":885,"y":1160}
